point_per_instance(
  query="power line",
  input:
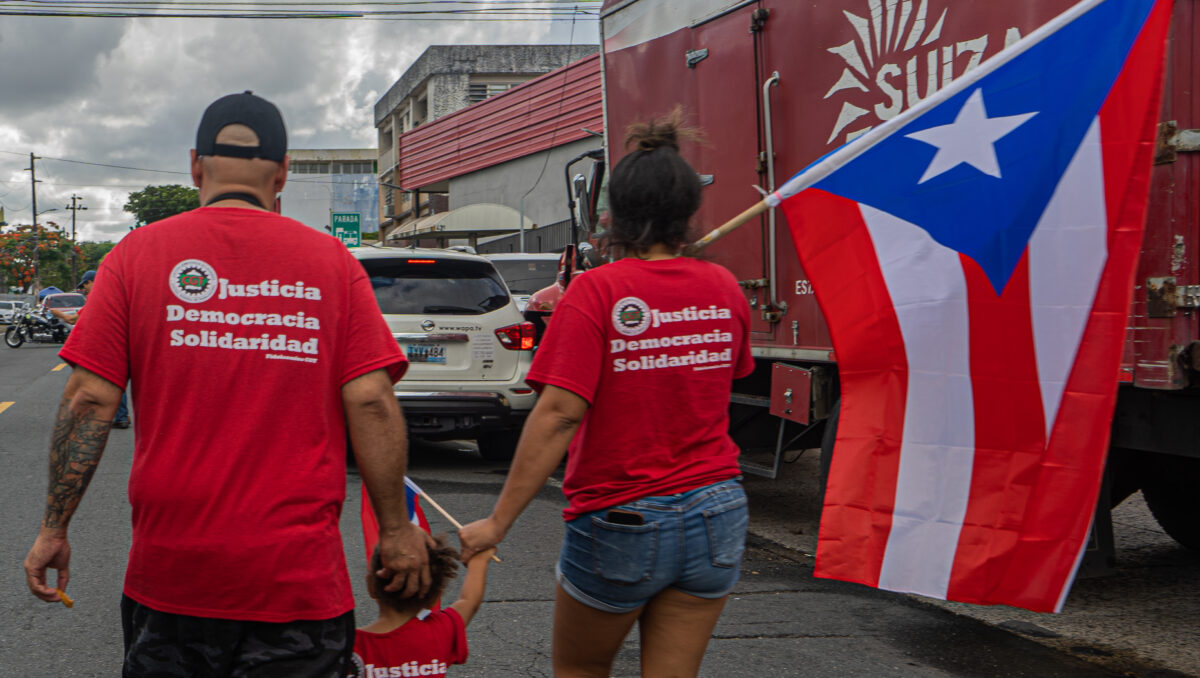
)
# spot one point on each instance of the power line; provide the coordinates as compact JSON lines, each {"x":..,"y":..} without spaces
{"x":427,"y":10}
{"x":124,"y":167}
{"x":99,"y":164}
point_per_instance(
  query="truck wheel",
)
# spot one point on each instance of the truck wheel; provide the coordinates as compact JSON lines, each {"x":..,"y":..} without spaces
{"x":498,"y":445}
{"x":13,"y":336}
{"x":1124,"y":469}
{"x":1169,"y":490}
{"x":827,"y":440}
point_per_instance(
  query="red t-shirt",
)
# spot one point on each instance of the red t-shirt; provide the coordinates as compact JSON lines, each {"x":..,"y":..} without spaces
{"x":421,"y":647}
{"x":653,"y":346}
{"x":236,"y":328}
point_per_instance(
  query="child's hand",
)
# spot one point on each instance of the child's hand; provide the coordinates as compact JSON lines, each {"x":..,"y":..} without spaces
{"x":479,"y":536}
{"x":482,"y":557}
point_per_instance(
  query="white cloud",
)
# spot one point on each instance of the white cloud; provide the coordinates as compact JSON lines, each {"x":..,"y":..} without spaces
{"x":130,"y":92}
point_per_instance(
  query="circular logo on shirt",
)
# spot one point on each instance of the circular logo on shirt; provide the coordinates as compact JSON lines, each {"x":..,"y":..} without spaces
{"x":193,"y":281}
{"x":360,"y":668}
{"x":631,"y":316}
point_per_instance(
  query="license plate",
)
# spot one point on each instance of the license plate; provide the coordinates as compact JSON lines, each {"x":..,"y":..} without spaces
{"x":426,"y":353}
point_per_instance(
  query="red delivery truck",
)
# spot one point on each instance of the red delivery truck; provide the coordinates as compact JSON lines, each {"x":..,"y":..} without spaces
{"x":776,"y":84}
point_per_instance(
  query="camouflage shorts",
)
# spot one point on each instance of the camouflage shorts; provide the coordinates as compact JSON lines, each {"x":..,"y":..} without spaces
{"x":164,"y":645}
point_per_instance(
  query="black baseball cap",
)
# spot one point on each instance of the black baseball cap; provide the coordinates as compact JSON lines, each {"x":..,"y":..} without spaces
{"x":246,"y":109}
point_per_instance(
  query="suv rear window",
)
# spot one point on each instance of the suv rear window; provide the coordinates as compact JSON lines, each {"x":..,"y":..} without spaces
{"x":435,"y":286}
{"x":526,"y":276}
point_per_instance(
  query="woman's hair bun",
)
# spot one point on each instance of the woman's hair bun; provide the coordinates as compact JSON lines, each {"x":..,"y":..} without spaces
{"x":659,"y":132}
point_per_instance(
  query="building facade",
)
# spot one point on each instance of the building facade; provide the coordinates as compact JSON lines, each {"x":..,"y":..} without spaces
{"x":322,"y":182}
{"x":446,"y":79}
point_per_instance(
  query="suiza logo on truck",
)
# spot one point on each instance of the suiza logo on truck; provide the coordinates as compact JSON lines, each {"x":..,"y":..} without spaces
{"x":898,"y":58}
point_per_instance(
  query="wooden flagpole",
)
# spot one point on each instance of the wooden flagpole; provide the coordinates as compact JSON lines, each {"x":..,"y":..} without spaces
{"x":446,"y":515}
{"x":726,"y":228}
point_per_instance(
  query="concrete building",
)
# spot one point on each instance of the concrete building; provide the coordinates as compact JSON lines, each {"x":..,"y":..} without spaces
{"x":477,"y":171}
{"x":443,"y":80}
{"x":324,"y":181}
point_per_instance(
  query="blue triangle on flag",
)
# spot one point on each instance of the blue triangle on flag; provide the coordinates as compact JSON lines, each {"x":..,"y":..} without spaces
{"x":935,"y":171}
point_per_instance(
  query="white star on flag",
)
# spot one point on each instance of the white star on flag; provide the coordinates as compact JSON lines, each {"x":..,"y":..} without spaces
{"x":970,"y":139}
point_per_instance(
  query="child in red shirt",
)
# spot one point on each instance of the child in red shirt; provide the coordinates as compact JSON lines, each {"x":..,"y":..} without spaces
{"x":399,"y":643}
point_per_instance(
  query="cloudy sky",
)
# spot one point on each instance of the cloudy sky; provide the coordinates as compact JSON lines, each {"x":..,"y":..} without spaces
{"x":129,"y":92}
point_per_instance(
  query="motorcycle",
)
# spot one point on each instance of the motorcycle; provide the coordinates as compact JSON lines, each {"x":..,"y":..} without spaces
{"x":35,"y":328}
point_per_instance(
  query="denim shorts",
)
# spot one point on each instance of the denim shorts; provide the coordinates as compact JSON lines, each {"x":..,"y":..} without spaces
{"x":692,"y":542}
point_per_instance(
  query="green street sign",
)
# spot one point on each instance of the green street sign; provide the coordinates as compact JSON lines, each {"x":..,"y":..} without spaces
{"x":347,"y":228}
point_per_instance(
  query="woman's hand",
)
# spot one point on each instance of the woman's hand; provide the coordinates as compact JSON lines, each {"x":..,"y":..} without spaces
{"x":544,"y":440}
{"x":480,"y":535}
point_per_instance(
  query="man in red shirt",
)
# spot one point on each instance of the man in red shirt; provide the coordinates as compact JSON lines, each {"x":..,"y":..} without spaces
{"x":254,"y":345}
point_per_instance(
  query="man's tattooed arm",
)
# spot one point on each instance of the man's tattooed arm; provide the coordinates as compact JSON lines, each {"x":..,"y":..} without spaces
{"x":80,"y":433}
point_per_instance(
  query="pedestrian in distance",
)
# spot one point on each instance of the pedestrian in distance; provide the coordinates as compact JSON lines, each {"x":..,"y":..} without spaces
{"x":402,"y":641}
{"x":253,"y":345}
{"x":635,"y":374}
{"x":84,"y":287}
{"x":86,"y":281}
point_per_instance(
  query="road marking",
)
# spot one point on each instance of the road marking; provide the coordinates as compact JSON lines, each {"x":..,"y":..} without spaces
{"x":5,"y":405}
{"x":58,"y":367}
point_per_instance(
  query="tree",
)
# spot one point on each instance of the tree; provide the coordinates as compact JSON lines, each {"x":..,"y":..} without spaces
{"x":16,"y":256}
{"x":91,"y":253}
{"x":159,"y":202}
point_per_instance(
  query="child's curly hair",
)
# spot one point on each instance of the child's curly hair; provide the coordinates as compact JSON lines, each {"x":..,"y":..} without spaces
{"x":443,"y":566}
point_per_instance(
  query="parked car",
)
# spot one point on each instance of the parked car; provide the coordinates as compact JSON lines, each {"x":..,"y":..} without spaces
{"x":8,"y":311}
{"x":468,"y":347}
{"x":526,"y":272}
{"x":63,"y":301}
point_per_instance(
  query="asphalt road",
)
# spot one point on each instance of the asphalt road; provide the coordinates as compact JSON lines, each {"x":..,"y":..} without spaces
{"x":779,"y":622}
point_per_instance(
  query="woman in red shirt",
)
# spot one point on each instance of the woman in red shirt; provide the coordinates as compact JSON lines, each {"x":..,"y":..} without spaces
{"x":635,"y":373}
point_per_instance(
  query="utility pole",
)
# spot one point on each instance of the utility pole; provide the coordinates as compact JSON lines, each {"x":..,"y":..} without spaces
{"x":36,"y":231}
{"x":74,"y":245}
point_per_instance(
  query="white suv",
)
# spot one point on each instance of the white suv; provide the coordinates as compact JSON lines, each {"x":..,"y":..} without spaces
{"x":8,"y":310}
{"x":467,"y":345}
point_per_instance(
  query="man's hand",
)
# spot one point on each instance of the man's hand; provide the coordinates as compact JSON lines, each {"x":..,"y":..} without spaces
{"x":405,"y":557}
{"x":51,"y":550}
{"x":480,"y":536}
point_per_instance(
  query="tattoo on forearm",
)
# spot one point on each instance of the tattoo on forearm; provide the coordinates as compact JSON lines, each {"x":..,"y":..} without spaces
{"x":75,"y":449}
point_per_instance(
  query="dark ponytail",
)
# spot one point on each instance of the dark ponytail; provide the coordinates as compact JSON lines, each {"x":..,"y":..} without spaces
{"x":653,"y":192}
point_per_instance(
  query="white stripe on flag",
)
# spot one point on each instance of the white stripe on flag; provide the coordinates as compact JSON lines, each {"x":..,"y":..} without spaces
{"x":408,"y":482}
{"x":1066,"y":259}
{"x":929,"y":292}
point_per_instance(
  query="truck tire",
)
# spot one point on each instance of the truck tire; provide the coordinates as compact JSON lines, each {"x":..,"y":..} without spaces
{"x":13,"y":336}
{"x":1124,"y":470}
{"x":1170,"y":492}
{"x":498,"y":445}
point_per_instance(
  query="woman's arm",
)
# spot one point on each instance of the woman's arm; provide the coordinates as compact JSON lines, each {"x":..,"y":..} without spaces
{"x":544,"y":441}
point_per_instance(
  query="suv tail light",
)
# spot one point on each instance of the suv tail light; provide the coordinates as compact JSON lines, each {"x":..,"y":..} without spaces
{"x":519,"y":337}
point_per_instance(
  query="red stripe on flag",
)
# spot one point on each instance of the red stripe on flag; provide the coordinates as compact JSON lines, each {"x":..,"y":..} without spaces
{"x":370,"y":524}
{"x":1128,"y":129}
{"x":1034,"y":570}
{"x":1009,"y":438}
{"x":835,"y":248}
{"x":1074,"y":461}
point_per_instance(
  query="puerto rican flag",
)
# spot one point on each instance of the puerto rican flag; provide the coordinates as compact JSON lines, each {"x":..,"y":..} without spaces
{"x":974,"y":259}
{"x":370,"y":523}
